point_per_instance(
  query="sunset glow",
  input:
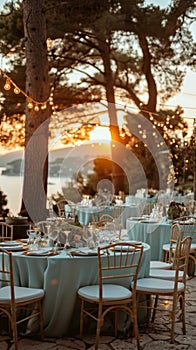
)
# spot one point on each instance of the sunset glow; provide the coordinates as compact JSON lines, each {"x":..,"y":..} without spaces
{"x":100,"y":133}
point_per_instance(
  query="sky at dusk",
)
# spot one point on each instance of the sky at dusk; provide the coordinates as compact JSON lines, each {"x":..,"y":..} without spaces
{"x":186,"y":97}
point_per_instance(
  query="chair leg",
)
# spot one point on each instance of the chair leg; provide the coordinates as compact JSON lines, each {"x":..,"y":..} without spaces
{"x":81,"y":318}
{"x":165,"y":256}
{"x":173,"y":317}
{"x":41,"y":324}
{"x":155,"y":308}
{"x":115,"y":323}
{"x":149,"y":306}
{"x":135,"y":325}
{"x":182,"y":306}
{"x":99,"y":324}
{"x":14,"y":330}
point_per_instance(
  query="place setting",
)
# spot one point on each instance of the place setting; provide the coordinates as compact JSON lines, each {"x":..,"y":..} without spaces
{"x":40,"y":245}
{"x":13,"y":246}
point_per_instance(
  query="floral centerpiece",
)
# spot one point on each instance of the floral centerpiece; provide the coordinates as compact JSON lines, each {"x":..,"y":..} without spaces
{"x":176,"y":210}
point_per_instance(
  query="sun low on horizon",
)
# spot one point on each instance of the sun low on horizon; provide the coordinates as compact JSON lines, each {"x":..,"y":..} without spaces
{"x":100,"y":133}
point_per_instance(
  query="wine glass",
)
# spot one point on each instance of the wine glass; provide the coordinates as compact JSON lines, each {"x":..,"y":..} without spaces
{"x":31,"y":240}
{"x":90,"y":237}
{"x":58,"y":242}
{"x":52,"y":236}
{"x":66,"y":245}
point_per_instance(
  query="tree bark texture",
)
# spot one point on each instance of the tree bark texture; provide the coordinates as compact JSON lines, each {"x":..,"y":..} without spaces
{"x":118,"y":175}
{"x":37,"y":122}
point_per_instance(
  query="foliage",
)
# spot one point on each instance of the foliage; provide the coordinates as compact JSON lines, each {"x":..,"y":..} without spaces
{"x":114,"y":48}
{"x":74,"y":30}
{"x":176,"y":210}
{"x":3,"y":203}
{"x":101,"y":170}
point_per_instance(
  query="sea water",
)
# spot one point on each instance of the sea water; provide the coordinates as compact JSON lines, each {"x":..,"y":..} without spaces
{"x":11,"y":186}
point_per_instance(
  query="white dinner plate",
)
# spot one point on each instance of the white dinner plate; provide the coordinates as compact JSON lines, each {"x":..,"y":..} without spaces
{"x":10,"y":243}
{"x":149,"y":221}
{"x":41,"y":252}
{"x":13,"y":247}
{"x":136,"y":218}
{"x":133,"y":242}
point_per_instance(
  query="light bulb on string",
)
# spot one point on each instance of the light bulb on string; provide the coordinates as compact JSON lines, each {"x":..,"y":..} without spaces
{"x":30,"y":104}
{"x":7,"y":85}
{"x":43,"y":106}
{"x":36,"y":108}
{"x":16,"y":90}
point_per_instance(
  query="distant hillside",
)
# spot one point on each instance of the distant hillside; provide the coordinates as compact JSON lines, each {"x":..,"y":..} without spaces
{"x":10,"y":156}
{"x":88,"y":151}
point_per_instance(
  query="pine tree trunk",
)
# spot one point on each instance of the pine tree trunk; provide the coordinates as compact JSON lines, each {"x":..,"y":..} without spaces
{"x":118,"y":175}
{"x":37,"y":122}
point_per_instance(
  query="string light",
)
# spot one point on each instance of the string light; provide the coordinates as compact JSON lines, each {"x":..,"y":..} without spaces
{"x":37,"y":105}
{"x":32,"y":104}
{"x":7,"y":85}
{"x":16,"y":91}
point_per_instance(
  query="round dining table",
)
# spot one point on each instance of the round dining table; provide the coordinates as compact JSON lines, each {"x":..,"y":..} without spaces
{"x":155,"y":233}
{"x":61,"y":276}
{"x":87,"y":214}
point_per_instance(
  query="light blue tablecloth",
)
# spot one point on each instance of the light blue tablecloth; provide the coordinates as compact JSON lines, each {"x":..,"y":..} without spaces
{"x":61,"y":276}
{"x":154,"y":234}
{"x":89,"y":214}
{"x":120,"y":212}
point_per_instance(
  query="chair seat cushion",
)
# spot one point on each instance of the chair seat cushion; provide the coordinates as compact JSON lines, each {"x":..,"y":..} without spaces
{"x":156,"y":285}
{"x":110,"y":292}
{"x":160,"y":265}
{"x":193,"y":247}
{"x":165,"y":274}
{"x":21,"y":294}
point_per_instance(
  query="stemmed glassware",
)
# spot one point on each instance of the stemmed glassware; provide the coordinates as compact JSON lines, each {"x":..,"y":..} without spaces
{"x":33,"y":235}
{"x":66,"y":245}
{"x":89,"y":238}
{"x":52,"y":236}
{"x":58,"y":242}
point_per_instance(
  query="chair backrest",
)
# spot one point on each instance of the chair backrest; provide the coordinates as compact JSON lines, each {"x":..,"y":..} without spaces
{"x":108,"y":223}
{"x":6,"y":275}
{"x":6,"y":232}
{"x":61,"y":207}
{"x":181,"y":258}
{"x":175,"y":237}
{"x":106,"y":218}
{"x":43,"y":226}
{"x":187,"y":226}
{"x":119,"y":263}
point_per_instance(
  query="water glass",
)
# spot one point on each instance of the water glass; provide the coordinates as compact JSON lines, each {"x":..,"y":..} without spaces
{"x":31,"y":240}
